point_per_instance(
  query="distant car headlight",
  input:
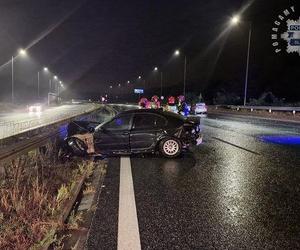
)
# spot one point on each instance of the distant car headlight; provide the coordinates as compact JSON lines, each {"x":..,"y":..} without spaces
{"x":38,"y":108}
{"x":35,"y":108}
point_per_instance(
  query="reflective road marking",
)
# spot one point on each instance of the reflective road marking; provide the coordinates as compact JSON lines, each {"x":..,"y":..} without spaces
{"x":128,"y":228}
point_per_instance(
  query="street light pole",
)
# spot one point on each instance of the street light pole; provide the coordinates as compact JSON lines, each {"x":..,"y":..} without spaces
{"x":21,"y":52}
{"x":50,"y":83}
{"x":38,"y":82}
{"x":184,"y":76}
{"x":177,"y":53}
{"x":12,"y":79}
{"x":247,"y":66}
{"x":161,"y":83}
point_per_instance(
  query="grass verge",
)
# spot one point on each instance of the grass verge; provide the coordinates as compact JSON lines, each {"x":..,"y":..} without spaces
{"x":33,"y":191}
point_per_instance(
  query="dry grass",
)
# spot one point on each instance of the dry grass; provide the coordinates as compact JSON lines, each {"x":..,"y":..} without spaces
{"x":32,"y":189}
{"x":89,"y":189}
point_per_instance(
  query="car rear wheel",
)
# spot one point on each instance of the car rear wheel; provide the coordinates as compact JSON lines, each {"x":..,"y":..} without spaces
{"x":170,"y":147}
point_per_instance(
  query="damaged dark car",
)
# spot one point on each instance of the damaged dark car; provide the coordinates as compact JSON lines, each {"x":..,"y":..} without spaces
{"x":134,"y":131}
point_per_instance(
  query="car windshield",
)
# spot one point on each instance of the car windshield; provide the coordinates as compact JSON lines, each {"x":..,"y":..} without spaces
{"x":120,"y":122}
{"x":103,"y":123}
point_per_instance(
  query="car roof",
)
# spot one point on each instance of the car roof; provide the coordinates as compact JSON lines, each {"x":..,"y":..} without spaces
{"x":153,"y":111}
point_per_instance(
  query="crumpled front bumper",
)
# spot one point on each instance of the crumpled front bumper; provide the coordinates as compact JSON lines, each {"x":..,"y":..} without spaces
{"x":88,"y":139}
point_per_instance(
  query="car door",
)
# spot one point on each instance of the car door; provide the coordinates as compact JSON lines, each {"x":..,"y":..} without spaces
{"x":145,"y":130}
{"x":113,"y":136}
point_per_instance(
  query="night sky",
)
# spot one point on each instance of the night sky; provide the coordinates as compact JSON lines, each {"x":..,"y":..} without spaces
{"x":92,"y":44}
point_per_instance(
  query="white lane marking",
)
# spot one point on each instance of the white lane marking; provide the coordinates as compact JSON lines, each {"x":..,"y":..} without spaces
{"x":128,"y":228}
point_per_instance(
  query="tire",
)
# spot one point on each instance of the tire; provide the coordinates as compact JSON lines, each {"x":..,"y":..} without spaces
{"x":170,"y":147}
{"x":77,"y":146}
{"x":63,"y":155}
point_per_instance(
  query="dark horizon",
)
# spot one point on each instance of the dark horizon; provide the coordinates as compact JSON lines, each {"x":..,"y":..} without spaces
{"x":94,"y":44}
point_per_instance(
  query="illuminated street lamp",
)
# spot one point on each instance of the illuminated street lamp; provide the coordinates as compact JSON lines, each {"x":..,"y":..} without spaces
{"x":144,"y":81}
{"x":110,"y":86}
{"x":161,"y":79}
{"x":128,"y":82}
{"x":45,"y":69}
{"x":233,"y":22}
{"x":177,"y":53}
{"x":58,"y":87}
{"x":119,"y":85}
{"x":23,"y":53}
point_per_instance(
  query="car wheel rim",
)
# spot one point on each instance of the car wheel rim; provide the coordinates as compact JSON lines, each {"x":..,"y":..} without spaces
{"x":171,"y":147}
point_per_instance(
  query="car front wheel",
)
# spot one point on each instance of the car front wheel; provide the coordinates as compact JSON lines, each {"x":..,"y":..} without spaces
{"x":170,"y":147}
{"x":76,"y":146}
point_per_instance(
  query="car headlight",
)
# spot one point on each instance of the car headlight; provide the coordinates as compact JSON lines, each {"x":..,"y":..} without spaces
{"x":70,"y":142}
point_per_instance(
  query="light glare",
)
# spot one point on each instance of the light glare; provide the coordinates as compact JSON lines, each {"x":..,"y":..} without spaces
{"x":235,"y":20}
{"x":22,"y":52}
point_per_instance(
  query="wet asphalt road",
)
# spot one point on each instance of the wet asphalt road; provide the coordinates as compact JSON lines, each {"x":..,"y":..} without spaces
{"x":238,"y":190}
{"x":14,"y":123}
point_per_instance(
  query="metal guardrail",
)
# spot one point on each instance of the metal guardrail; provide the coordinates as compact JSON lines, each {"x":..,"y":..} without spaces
{"x":270,"y":109}
{"x":12,"y":128}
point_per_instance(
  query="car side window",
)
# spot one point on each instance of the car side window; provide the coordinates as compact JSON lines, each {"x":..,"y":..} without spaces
{"x":148,"y":121}
{"x":122,"y":122}
{"x":160,"y":121}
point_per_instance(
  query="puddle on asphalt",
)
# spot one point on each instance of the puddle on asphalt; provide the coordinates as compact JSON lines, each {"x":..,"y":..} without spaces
{"x":291,"y":140}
